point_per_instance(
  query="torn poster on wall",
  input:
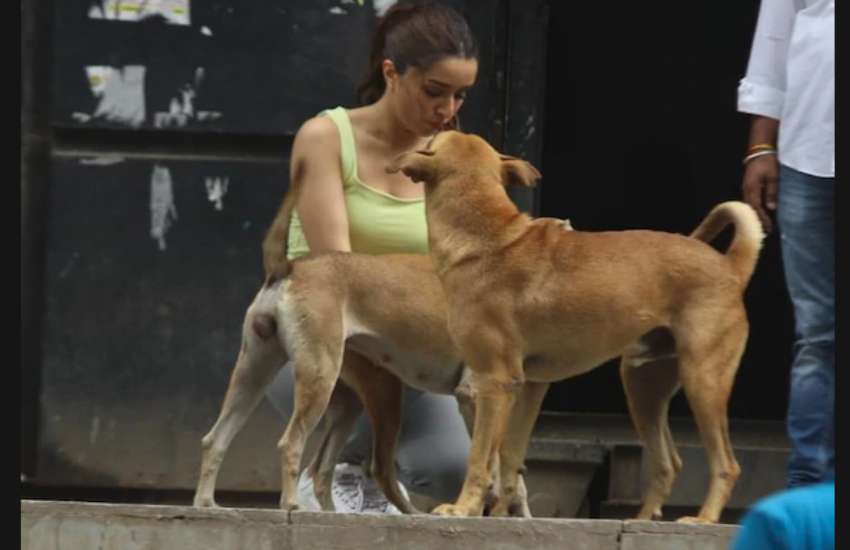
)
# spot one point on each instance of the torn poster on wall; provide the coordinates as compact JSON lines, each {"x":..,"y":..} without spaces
{"x":381,"y":6}
{"x":173,"y":11}
{"x":121,"y":93}
{"x":181,"y":108}
{"x":216,"y":190}
{"x":163,"y":209}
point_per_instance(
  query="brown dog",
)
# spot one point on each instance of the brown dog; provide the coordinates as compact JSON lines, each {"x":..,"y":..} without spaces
{"x":375,"y":322}
{"x":568,"y":301}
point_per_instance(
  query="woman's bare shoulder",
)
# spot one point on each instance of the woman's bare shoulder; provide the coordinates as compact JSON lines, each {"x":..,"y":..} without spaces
{"x":319,"y":131}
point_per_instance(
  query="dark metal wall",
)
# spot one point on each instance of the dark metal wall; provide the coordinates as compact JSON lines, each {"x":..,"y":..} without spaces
{"x":155,"y":153}
{"x":143,"y":206}
{"x":643,"y":133}
{"x":35,"y":159}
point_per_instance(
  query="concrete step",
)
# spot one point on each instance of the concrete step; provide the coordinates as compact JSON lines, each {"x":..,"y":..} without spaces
{"x":582,"y":465}
{"x":762,"y":473}
{"x":579,"y":466}
{"x":52,"y":525}
{"x":613,"y":429}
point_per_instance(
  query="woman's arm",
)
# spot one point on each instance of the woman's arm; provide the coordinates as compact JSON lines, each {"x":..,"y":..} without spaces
{"x":315,"y":166}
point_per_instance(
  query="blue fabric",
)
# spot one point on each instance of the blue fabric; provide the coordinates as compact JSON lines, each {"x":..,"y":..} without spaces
{"x":802,"y":518}
{"x":806,"y":221}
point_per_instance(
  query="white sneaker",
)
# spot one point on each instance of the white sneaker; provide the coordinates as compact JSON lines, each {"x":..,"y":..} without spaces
{"x":375,"y":501}
{"x":347,"y":488}
{"x":306,"y":497}
{"x":353,"y":491}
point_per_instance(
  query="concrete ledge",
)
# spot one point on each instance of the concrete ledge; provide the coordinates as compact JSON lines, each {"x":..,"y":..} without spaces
{"x":346,"y":531}
{"x":54,"y":525}
{"x":651,"y":535}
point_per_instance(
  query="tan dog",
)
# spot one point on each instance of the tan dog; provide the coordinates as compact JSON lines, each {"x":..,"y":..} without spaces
{"x":374,"y":321}
{"x":670,"y":305}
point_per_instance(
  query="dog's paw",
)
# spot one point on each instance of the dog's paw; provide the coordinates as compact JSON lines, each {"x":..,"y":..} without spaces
{"x":694,"y":520}
{"x":205,"y":503}
{"x":501,"y":509}
{"x":289,"y":506}
{"x":449,"y":510}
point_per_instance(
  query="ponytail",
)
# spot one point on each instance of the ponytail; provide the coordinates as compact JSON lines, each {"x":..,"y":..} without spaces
{"x":372,"y":87}
{"x":414,"y":34}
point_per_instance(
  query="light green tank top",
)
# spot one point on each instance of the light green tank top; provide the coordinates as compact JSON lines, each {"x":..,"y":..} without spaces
{"x":378,"y":223}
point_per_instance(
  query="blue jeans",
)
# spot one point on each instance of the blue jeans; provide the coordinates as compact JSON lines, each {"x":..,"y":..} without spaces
{"x":806,"y":221}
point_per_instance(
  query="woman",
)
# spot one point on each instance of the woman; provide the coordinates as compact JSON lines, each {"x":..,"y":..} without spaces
{"x":423,"y":60}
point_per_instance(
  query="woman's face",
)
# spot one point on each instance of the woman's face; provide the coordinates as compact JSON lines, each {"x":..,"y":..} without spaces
{"x":426,"y":100}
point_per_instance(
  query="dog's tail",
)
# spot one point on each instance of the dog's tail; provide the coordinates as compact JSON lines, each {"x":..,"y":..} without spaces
{"x":745,"y":247}
{"x":276,"y":242}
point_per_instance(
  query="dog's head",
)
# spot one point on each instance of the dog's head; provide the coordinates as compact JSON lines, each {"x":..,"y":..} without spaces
{"x":452,"y":152}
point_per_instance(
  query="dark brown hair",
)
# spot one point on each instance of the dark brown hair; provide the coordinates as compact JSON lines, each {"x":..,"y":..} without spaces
{"x":415,"y":35}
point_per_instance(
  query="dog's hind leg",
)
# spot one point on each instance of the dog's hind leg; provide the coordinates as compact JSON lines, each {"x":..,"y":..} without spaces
{"x":339,"y":419}
{"x":649,"y":388}
{"x":707,"y":370}
{"x":381,"y":394}
{"x":259,"y":360}
{"x":316,"y":370}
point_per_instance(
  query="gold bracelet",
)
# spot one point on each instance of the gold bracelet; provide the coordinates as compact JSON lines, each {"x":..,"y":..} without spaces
{"x":760,"y":147}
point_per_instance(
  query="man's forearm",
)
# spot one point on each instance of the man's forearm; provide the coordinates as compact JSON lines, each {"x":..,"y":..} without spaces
{"x":763,"y":130}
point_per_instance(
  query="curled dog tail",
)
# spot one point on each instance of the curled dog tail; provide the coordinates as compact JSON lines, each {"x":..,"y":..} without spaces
{"x":276,"y":242}
{"x":744,"y":250}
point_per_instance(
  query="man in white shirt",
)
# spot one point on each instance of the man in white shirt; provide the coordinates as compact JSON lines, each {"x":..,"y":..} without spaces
{"x":789,"y":89}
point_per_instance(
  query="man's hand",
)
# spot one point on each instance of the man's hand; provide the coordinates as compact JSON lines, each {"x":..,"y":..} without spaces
{"x":761,"y":174}
{"x":760,"y":187}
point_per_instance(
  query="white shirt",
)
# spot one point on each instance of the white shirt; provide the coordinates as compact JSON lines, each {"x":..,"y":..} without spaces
{"x":791,"y":78}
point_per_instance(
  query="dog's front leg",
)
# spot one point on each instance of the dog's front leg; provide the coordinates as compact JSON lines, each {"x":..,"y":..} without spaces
{"x":513,"y":497}
{"x":465,"y":395}
{"x":525,"y":413}
{"x":495,"y":390}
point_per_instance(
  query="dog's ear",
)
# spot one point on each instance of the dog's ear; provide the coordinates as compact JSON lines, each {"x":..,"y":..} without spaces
{"x":516,"y":171}
{"x":416,"y":165}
